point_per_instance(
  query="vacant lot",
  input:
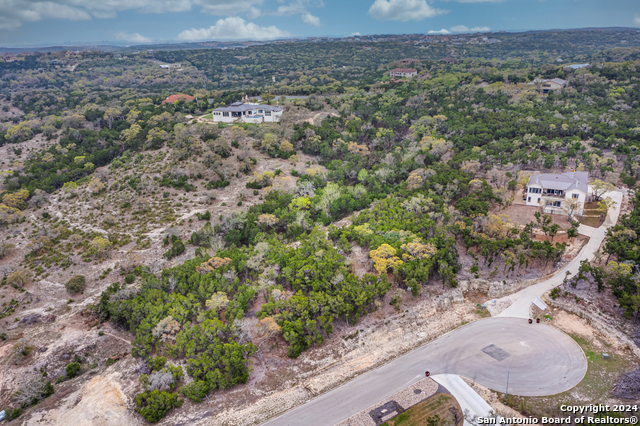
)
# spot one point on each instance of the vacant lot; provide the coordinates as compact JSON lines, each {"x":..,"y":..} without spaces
{"x":524,"y":214}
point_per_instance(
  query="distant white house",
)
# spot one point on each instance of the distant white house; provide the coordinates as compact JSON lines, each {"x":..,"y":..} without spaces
{"x":245,"y":112}
{"x":170,"y":66}
{"x":552,"y":191}
{"x":403,"y":72}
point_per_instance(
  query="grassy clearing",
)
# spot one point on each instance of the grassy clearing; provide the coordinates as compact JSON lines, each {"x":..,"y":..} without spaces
{"x":595,"y":388}
{"x":442,"y":405}
{"x":592,"y":221}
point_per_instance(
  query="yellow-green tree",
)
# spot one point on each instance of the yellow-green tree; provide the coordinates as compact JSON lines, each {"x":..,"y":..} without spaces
{"x":302,"y":203}
{"x":19,"y":278}
{"x":218,"y":301}
{"x":604,"y":205}
{"x":95,"y":186}
{"x":101,"y":246}
{"x":268,"y":220}
{"x":600,"y":187}
{"x":384,"y":258}
{"x":70,"y":187}
{"x":286,"y":146}
{"x":110,"y":115}
{"x":17,"y":200}
{"x":418,"y":251}
{"x":9,"y":214}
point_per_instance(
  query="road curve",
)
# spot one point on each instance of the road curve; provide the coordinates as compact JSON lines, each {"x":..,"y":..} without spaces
{"x":541,"y":361}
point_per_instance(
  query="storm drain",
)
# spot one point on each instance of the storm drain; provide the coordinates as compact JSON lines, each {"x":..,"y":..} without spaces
{"x":385,"y":412}
{"x":495,"y":352}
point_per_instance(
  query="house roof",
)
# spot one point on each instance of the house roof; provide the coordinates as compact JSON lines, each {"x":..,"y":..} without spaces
{"x":577,"y":66}
{"x":405,"y":70}
{"x":241,"y":107}
{"x":558,"y":81}
{"x":171,"y":99}
{"x":565,"y":181}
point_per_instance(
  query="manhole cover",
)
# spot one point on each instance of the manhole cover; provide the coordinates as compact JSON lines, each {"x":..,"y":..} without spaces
{"x":495,"y":352}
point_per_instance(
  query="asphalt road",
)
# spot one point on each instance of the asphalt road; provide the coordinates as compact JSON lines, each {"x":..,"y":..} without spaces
{"x":541,"y":361}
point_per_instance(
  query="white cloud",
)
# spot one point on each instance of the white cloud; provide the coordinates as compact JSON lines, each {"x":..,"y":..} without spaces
{"x":460,"y":29}
{"x":636,"y":19}
{"x":477,"y":1}
{"x":253,"y":13}
{"x":441,"y":32}
{"x":308,"y":18}
{"x":13,"y":13}
{"x":465,"y":29}
{"x":233,"y":28}
{"x":227,"y":7}
{"x":403,"y":10}
{"x":133,"y":38}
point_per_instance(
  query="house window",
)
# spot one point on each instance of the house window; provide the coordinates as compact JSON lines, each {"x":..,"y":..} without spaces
{"x":554,"y":203}
{"x":267,"y":113}
{"x":225,"y":114}
{"x":259,"y":111}
{"x":529,"y":199}
{"x":538,"y":200}
{"x":574,"y":196}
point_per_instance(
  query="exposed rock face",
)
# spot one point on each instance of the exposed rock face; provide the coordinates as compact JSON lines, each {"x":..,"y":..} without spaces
{"x":100,"y":402}
{"x":495,"y":289}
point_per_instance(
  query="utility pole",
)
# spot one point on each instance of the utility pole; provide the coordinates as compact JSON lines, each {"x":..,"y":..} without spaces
{"x":506,"y":395}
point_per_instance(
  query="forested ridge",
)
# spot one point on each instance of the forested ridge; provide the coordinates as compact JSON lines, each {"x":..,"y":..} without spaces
{"x":419,"y":173}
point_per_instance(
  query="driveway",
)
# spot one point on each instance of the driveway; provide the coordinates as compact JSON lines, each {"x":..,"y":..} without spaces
{"x":524,"y":298}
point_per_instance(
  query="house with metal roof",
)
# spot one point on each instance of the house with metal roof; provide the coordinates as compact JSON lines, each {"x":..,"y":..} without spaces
{"x":554,"y":191}
{"x":245,"y":112}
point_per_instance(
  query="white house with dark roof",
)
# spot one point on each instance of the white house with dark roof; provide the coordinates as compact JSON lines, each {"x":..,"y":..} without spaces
{"x":552,"y":191}
{"x":245,"y":112}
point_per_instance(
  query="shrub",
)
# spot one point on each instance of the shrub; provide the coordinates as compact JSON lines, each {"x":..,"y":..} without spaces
{"x":204,"y":216}
{"x":176,"y":250}
{"x":72,"y":370}
{"x":217,"y":184}
{"x":76,"y":284}
{"x":156,"y":363}
{"x":195,"y":390}
{"x":554,"y":293}
{"x":14,"y":413}
{"x":153,"y":405}
{"x":129,"y":278}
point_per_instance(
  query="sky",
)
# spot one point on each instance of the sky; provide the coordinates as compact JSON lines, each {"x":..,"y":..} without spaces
{"x":131,"y":22}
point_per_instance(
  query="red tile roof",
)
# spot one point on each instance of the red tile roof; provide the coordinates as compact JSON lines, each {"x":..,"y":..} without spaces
{"x":173,"y":98}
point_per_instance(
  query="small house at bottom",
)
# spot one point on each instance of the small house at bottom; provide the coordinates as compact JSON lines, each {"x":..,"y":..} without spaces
{"x":245,"y":112}
{"x":553,"y":191}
